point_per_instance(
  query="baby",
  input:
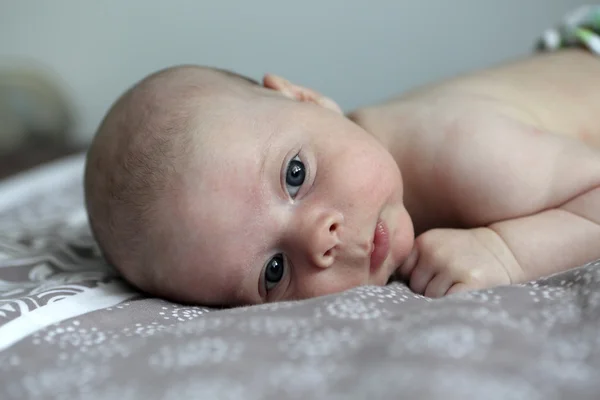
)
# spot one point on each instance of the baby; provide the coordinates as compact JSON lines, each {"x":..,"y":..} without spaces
{"x":206,"y":187}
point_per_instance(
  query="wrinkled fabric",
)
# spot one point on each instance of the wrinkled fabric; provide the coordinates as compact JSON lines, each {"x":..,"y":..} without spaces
{"x":534,"y":341}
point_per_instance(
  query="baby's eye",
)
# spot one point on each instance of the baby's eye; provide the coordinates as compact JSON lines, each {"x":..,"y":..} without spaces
{"x":294,"y":176}
{"x":274,"y":271}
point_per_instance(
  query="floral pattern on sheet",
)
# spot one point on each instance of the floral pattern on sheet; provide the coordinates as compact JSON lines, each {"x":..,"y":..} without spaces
{"x":528,"y":341}
{"x":47,"y":252}
{"x":532,"y":341}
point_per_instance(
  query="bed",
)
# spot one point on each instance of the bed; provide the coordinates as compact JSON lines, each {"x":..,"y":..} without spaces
{"x":71,"y":328}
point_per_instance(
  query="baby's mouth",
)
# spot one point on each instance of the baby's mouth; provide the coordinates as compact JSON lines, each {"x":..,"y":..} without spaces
{"x":381,"y":246}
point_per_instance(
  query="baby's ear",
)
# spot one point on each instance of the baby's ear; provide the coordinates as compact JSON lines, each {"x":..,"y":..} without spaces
{"x":300,"y":93}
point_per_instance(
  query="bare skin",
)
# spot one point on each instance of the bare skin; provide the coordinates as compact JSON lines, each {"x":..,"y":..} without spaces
{"x":496,"y":173}
{"x":501,"y":171}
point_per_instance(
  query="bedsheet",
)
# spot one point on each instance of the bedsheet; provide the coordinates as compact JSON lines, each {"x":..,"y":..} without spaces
{"x":71,"y":328}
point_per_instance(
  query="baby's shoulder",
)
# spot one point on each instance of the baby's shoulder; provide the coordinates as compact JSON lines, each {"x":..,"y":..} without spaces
{"x":470,"y":159}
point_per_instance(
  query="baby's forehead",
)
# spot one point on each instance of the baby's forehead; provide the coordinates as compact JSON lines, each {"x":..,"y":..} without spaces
{"x":224,"y":179}
{"x":250,"y":116}
{"x":224,"y":196}
{"x":221,"y":234}
{"x":213,"y":236}
{"x":232,"y":140}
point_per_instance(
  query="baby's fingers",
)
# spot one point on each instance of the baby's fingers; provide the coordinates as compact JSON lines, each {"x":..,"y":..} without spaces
{"x":439,"y":285}
{"x":405,"y":270}
{"x":420,"y":278}
{"x":458,"y":288}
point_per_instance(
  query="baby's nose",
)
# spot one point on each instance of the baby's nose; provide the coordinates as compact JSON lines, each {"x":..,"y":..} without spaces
{"x":322,"y":238}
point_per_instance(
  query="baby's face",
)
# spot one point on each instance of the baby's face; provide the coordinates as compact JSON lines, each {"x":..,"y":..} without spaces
{"x":287,"y":200}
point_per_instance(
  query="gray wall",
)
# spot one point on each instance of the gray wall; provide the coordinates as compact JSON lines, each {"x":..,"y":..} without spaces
{"x":355,"y":51}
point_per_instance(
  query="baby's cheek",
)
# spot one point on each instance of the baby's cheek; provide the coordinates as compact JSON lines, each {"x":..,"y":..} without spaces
{"x":403,"y":238}
{"x":330,"y":283}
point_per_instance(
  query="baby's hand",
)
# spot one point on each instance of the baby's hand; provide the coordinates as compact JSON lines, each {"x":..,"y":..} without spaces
{"x":445,"y":261}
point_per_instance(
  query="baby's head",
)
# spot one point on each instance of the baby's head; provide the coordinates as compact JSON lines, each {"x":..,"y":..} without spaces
{"x":205,"y":187}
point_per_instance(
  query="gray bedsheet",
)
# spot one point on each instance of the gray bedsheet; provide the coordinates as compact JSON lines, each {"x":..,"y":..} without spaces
{"x":70,"y":328}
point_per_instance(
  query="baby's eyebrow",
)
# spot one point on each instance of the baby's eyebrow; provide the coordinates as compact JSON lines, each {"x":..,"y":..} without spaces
{"x":265,"y":154}
{"x":242,"y":294}
{"x":245,"y":291}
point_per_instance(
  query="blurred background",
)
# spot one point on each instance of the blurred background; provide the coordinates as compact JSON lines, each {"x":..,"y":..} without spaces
{"x":63,"y":62}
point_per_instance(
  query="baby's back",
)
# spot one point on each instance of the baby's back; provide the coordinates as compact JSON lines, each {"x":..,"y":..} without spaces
{"x":495,"y":145}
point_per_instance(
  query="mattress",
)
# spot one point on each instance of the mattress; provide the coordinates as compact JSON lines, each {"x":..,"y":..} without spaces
{"x":70,"y":327}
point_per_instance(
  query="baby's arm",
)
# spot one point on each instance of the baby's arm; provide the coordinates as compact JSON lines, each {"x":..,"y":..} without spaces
{"x":445,"y":261}
{"x":529,"y":205}
{"x":529,"y":201}
{"x":556,"y":239}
